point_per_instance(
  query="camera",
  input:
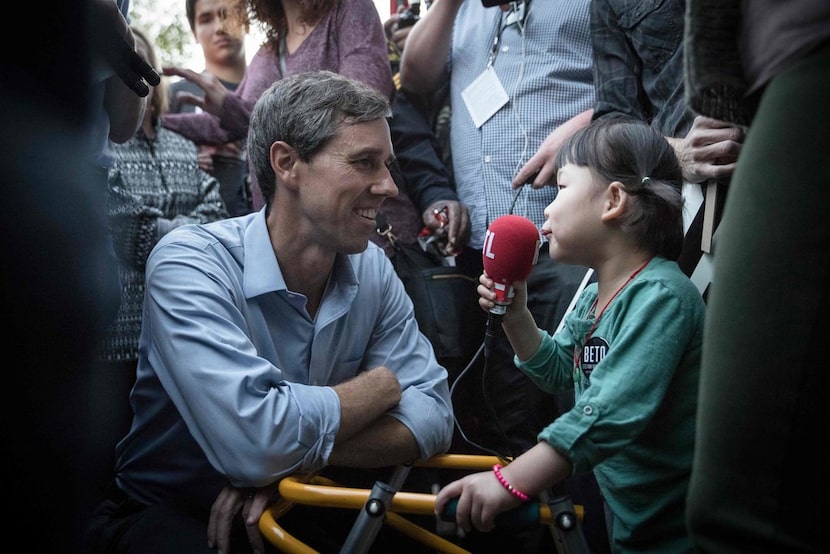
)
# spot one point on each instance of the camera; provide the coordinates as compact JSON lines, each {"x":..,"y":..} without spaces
{"x":410,"y":15}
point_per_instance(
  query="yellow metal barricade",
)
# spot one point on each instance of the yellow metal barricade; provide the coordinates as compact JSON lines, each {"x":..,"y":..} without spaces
{"x":315,"y":490}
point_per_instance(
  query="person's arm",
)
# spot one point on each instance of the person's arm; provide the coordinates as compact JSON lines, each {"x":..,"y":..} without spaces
{"x":363,"y":50}
{"x":425,"y":408}
{"x":539,"y":170}
{"x":124,"y":106}
{"x":230,"y":118}
{"x":365,"y":398}
{"x":211,"y":207}
{"x":425,"y":179}
{"x":481,"y":496}
{"x":384,"y":442}
{"x":617,"y":67}
{"x":213,"y":91}
{"x":423,"y":62}
{"x":709,"y":150}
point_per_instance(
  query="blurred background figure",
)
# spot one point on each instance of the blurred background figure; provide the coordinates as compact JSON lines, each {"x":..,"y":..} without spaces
{"x":117,"y":109}
{"x":758,"y":481}
{"x":223,"y":48}
{"x":61,"y":104}
{"x":155,"y":185}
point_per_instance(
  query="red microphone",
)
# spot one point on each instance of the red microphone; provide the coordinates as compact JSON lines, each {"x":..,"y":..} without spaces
{"x":511,"y":248}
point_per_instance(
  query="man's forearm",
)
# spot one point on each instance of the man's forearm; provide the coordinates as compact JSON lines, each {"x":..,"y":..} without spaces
{"x":364,"y":399}
{"x":386,"y":442}
{"x":427,"y":46}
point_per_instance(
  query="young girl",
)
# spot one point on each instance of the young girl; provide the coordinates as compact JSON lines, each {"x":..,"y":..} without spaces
{"x":631,"y":347}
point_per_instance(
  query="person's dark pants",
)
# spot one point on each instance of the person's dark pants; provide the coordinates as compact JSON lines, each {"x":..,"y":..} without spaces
{"x":123,"y":526}
{"x":759,"y":481}
{"x":233,"y":184}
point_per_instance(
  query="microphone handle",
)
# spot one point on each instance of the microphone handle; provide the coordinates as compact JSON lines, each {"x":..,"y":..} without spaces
{"x":491,"y":331}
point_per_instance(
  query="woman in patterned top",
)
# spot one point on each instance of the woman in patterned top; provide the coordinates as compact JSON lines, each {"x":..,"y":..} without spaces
{"x":155,"y":185}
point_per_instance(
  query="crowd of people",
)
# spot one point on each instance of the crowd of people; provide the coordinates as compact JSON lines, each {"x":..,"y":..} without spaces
{"x":228,"y":315}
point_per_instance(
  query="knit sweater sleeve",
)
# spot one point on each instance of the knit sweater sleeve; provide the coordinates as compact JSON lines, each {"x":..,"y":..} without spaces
{"x":715,"y":84}
{"x":363,"y":53}
{"x":232,"y":122}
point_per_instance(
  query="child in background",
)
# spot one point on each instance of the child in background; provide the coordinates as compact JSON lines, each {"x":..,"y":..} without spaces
{"x":223,"y":47}
{"x":631,"y":348}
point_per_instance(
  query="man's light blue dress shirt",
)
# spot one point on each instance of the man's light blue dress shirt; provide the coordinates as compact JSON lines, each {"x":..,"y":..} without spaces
{"x":233,"y":372}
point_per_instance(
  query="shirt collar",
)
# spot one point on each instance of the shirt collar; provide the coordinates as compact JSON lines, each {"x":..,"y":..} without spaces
{"x":261,"y":270}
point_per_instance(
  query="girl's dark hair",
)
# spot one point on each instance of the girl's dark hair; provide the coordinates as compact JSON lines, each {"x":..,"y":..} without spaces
{"x":639,"y":157}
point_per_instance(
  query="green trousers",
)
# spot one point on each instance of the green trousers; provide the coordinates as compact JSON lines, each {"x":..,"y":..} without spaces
{"x":760,"y":479}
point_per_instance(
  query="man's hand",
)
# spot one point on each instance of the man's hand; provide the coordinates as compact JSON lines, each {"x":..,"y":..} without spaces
{"x":450,"y":219}
{"x":539,"y":170}
{"x":205,"y":157}
{"x":709,"y":150}
{"x":206,"y":153}
{"x":215,"y":91}
{"x":252,"y":502}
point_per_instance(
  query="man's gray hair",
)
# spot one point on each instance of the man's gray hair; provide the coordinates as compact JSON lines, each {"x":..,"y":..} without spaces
{"x":305,"y":111}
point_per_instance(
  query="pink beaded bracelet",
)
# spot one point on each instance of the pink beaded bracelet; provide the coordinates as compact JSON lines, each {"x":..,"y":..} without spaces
{"x":515,"y":492}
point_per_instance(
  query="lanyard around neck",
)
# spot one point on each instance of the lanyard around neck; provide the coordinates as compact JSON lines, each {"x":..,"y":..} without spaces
{"x":516,"y":16}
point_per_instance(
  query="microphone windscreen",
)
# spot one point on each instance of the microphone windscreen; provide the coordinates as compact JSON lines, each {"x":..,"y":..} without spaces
{"x":511,"y":247}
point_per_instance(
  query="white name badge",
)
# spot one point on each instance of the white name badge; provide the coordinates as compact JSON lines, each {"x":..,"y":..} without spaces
{"x":484,"y":97}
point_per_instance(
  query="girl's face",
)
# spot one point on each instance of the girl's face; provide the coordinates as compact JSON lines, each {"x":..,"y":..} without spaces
{"x":573,"y":225}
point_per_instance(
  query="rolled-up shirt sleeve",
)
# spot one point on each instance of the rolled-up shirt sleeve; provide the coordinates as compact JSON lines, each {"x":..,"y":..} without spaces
{"x":425,"y":406}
